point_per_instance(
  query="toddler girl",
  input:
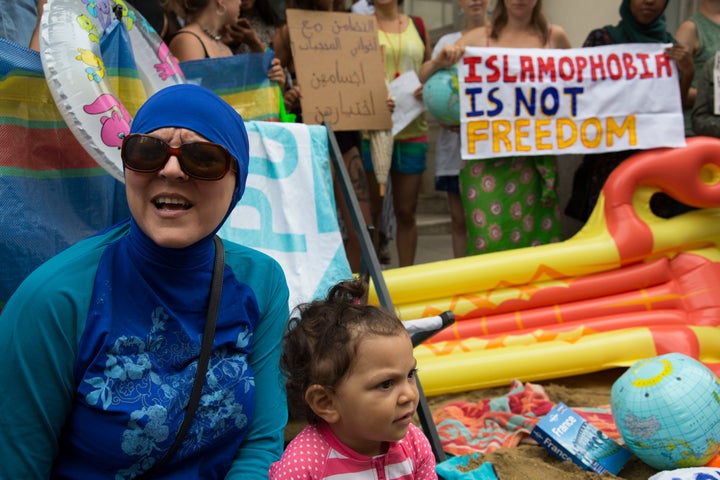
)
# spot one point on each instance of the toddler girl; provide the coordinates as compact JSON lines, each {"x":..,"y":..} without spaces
{"x":350,"y":372}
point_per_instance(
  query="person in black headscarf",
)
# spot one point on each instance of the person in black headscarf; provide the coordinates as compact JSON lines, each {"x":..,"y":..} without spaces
{"x":101,"y":345}
{"x":642,"y":21}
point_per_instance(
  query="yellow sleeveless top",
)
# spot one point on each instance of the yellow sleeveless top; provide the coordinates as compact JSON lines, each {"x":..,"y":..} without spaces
{"x":403,"y":52}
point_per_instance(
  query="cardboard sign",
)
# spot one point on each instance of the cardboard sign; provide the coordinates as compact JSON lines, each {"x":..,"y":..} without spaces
{"x":570,"y":437}
{"x":340,"y":70}
{"x":583,"y":100}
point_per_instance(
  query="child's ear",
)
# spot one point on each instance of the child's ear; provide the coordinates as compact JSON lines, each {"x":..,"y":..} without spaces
{"x":321,"y":401}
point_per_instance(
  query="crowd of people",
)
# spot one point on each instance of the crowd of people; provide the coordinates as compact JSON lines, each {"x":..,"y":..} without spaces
{"x":154,"y":349}
{"x":641,"y":22}
{"x":527,"y":182}
{"x":482,"y":220}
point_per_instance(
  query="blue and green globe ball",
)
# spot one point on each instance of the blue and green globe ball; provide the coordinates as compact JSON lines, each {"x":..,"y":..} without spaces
{"x":667,"y":409}
{"x":440,"y":95}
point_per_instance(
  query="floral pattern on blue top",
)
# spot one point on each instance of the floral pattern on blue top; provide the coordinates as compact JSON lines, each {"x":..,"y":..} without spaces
{"x":158,"y":399}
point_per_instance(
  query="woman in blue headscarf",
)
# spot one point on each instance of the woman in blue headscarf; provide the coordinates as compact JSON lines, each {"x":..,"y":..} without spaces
{"x":641,"y":21}
{"x":100,"y":345}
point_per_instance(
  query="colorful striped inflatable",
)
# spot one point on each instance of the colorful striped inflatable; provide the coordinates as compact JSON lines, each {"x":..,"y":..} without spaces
{"x":628,"y":286}
{"x":53,"y":192}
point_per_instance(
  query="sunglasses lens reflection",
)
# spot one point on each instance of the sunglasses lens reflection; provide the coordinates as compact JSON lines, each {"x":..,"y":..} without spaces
{"x":201,"y":160}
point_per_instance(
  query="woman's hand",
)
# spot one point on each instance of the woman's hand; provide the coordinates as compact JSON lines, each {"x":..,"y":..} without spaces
{"x":682,"y":56}
{"x":291,"y":98}
{"x":242,"y":32}
{"x":391,"y":104}
{"x":448,"y":56}
{"x":277,"y":72}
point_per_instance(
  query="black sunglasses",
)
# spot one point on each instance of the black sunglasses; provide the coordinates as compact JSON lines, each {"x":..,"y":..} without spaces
{"x":200,"y":160}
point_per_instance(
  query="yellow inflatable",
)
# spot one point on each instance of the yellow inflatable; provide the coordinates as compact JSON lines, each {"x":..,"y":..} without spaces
{"x":628,"y":286}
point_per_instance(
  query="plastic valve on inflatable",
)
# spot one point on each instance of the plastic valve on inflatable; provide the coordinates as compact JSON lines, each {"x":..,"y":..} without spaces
{"x":89,"y":52}
{"x":628,"y":286}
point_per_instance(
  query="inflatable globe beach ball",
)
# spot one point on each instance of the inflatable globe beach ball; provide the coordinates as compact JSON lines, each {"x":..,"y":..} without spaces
{"x":667,"y":409}
{"x":440,"y":95}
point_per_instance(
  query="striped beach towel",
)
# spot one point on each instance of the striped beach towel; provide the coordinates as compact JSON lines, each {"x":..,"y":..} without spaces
{"x":242,"y":81}
{"x":51,"y":191}
{"x":467,"y":428}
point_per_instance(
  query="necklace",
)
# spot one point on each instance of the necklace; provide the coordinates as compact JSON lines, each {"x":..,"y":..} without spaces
{"x":214,"y":36}
{"x":396,"y":54}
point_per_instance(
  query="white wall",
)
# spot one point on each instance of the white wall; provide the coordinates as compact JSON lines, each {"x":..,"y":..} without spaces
{"x":579,"y":17}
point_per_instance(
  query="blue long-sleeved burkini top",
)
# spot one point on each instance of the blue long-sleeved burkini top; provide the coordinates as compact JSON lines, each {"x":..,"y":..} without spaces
{"x":98,"y":350}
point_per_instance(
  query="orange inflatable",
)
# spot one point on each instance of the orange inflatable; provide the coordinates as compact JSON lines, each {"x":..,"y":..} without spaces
{"x":628,"y":286}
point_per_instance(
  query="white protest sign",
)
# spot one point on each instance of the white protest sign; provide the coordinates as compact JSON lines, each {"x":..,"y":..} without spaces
{"x":407,"y":107}
{"x":584,"y":100}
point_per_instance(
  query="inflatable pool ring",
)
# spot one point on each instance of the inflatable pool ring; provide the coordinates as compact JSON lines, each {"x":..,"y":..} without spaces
{"x":84,"y":89}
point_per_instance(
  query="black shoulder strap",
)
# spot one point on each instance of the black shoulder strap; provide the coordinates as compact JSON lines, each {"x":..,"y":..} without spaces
{"x":196,"y":36}
{"x":203,"y":360}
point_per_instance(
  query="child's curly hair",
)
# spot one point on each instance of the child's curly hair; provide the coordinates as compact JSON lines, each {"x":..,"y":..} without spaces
{"x":321,"y":342}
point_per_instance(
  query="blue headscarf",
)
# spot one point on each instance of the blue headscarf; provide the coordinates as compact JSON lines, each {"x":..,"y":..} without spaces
{"x":151,"y":302}
{"x":202,"y":111}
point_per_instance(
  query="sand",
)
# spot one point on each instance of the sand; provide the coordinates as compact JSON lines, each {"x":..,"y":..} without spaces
{"x":535,"y":462}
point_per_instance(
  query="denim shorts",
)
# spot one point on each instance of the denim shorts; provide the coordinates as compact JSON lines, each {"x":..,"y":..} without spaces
{"x":407,"y":157}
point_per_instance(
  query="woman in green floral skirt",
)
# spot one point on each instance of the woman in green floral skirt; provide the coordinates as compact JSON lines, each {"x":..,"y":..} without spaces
{"x":512,"y":202}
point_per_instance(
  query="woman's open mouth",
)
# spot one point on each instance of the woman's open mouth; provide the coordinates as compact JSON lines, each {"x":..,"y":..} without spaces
{"x":171,"y":203}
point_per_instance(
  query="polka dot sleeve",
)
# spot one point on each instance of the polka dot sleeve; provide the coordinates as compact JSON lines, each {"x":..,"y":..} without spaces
{"x":304,"y":457}
{"x":424,"y":457}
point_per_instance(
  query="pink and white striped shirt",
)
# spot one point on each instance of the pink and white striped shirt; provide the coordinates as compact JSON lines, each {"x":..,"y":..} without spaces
{"x":316,"y":453}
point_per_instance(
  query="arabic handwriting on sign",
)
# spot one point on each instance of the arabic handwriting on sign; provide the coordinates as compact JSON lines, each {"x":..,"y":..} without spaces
{"x":336,"y":77}
{"x":309,"y":31}
{"x":309,"y":44}
{"x":326,"y":114}
{"x":365,"y":45}
{"x":363,"y":25}
{"x":363,"y":108}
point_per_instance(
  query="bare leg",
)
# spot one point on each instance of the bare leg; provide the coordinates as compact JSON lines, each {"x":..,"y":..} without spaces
{"x":457,"y":224}
{"x":35,"y":39}
{"x":406,"y":188}
{"x":354,"y":166}
{"x":375,"y":198}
